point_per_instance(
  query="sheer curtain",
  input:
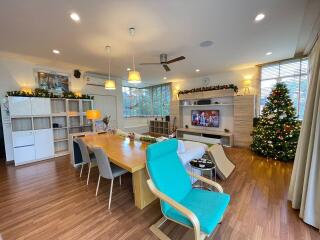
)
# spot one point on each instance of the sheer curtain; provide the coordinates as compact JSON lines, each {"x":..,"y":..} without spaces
{"x":304,"y":190}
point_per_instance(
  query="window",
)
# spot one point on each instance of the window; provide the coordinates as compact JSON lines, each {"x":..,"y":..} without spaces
{"x":292,"y":72}
{"x":149,"y":101}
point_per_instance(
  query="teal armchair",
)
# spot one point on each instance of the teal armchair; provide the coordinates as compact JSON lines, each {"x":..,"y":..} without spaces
{"x":194,"y":208}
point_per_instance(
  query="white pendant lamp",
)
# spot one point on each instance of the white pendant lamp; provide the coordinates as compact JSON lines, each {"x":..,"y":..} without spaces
{"x":133,"y":76}
{"x":109,"y":84}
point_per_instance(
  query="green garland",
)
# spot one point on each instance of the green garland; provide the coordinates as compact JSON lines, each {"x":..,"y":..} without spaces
{"x":211,"y":88}
{"x":38,"y":92}
{"x":148,"y":139}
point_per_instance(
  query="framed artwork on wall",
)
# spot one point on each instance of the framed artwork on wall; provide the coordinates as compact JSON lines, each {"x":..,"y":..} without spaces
{"x":54,"y":82}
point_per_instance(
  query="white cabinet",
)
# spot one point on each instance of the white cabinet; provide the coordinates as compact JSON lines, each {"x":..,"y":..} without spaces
{"x":20,"y":106}
{"x":7,"y":135}
{"x":40,"y":106}
{"x":22,"y":138}
{"x":44,"y":143}
{"x":23,"y":154}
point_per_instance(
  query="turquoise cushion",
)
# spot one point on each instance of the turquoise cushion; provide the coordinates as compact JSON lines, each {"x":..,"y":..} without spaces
{"x":208,"y":206}
{"x":167,"y":171}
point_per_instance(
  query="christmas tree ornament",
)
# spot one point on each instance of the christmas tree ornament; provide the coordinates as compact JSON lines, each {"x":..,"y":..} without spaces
{"x":278,"y":138}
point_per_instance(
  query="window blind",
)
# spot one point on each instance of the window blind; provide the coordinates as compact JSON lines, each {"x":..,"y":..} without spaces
{"x":294,"y":73}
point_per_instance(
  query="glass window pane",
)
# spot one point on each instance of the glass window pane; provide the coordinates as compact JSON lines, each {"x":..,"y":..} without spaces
{"x":150,"y":101}
{"x":304,"y":84}
{"x":266,"y":87}
{"x":304,"y":66}
{"x":292,"y":84}
{"x":270,"y":71}
{"x":290,"y":68}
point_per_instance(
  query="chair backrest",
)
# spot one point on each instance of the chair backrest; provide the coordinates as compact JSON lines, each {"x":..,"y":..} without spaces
{"x":167,"y":172}
{"x":103,"y":162}
{"x":83,"y":149}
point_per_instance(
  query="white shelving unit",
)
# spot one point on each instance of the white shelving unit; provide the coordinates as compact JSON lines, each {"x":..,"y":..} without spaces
{"x":208,"y":105}
{"x":41,"y":126}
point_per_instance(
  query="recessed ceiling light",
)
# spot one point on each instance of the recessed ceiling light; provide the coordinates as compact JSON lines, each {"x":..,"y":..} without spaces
{"x":128,"y":69}
{"x":197,"y":70}
{"x":55,"y":51}
{"x":164,"y":78}
{"x":268,"y":53}
{"x":206,"y":43}
{"x":259,"y":17}
{"x":75,"y":17}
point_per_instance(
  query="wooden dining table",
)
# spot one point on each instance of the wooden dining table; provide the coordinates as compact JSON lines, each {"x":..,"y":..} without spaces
{"x":130,"y":155}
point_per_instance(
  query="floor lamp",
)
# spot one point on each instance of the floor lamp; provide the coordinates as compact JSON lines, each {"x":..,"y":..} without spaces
{"x":93,"y":115}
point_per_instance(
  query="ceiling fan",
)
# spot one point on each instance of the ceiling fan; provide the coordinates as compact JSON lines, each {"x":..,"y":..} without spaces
{"x":164,"y":61}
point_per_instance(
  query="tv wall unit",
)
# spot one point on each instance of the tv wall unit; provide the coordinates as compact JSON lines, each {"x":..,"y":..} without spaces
{"x":40,"y":127}
{"x":236,"y":115}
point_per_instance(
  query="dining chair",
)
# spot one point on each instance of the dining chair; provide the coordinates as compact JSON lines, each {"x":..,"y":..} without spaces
{"x":107,"y":170}
{"x":87,"y":157}
{"x":198,"y":209}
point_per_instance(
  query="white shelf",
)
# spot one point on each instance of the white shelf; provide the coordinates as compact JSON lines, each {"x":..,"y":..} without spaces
{"x":62,"y":114}
{"x":206,"y":105}
{"x":61,"y":153}
{"x":61,"y":140}
{"x":69,"y":114}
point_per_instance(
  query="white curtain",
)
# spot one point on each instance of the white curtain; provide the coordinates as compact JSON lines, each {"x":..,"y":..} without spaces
{"x":304,"y":190}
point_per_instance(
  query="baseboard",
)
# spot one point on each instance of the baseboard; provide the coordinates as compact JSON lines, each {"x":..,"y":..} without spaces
{"x":10,"y":162}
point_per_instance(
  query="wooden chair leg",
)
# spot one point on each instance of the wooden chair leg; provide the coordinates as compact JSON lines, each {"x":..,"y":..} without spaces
{"x":89,"y":174}
{"x":98,"y":185}
{"x":110,"y":194}
{"x":155,"y":228}
{"x":120,"y":180}
{"x":81,"y":170}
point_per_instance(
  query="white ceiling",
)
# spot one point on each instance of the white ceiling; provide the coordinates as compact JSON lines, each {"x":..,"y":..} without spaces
{"x":175,"y":27}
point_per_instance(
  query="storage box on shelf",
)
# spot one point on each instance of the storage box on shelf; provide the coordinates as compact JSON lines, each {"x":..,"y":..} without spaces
{"x":40,"y":126}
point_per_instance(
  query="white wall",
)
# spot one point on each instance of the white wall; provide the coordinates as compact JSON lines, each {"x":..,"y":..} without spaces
{"x":18,"y":71}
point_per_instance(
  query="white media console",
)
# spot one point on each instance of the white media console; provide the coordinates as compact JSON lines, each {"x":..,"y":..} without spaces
{"x":206,"y":136}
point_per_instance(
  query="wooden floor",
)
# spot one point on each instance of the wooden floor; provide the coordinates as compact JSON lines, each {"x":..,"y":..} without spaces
{"x":48,"y":201}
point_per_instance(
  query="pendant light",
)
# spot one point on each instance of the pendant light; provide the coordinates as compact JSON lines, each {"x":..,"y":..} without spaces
{"x":134,"y":76}
{"x":109,"y":84}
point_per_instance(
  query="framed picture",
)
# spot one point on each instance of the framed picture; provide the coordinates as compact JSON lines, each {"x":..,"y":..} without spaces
{"x":54,"y":82}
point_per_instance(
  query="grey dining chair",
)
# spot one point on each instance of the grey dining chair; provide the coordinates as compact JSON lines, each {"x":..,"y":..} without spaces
{"x":87,"y":157}
{"x":107,"y":169}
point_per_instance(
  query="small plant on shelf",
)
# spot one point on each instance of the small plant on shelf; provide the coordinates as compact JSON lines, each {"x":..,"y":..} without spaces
{"x":131,"y":136}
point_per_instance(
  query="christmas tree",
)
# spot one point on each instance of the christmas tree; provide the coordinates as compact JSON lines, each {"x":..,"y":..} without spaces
{"x":277,"y":131}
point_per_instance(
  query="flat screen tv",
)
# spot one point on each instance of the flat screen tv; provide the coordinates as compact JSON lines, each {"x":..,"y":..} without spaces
{"x":205,"y":118}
